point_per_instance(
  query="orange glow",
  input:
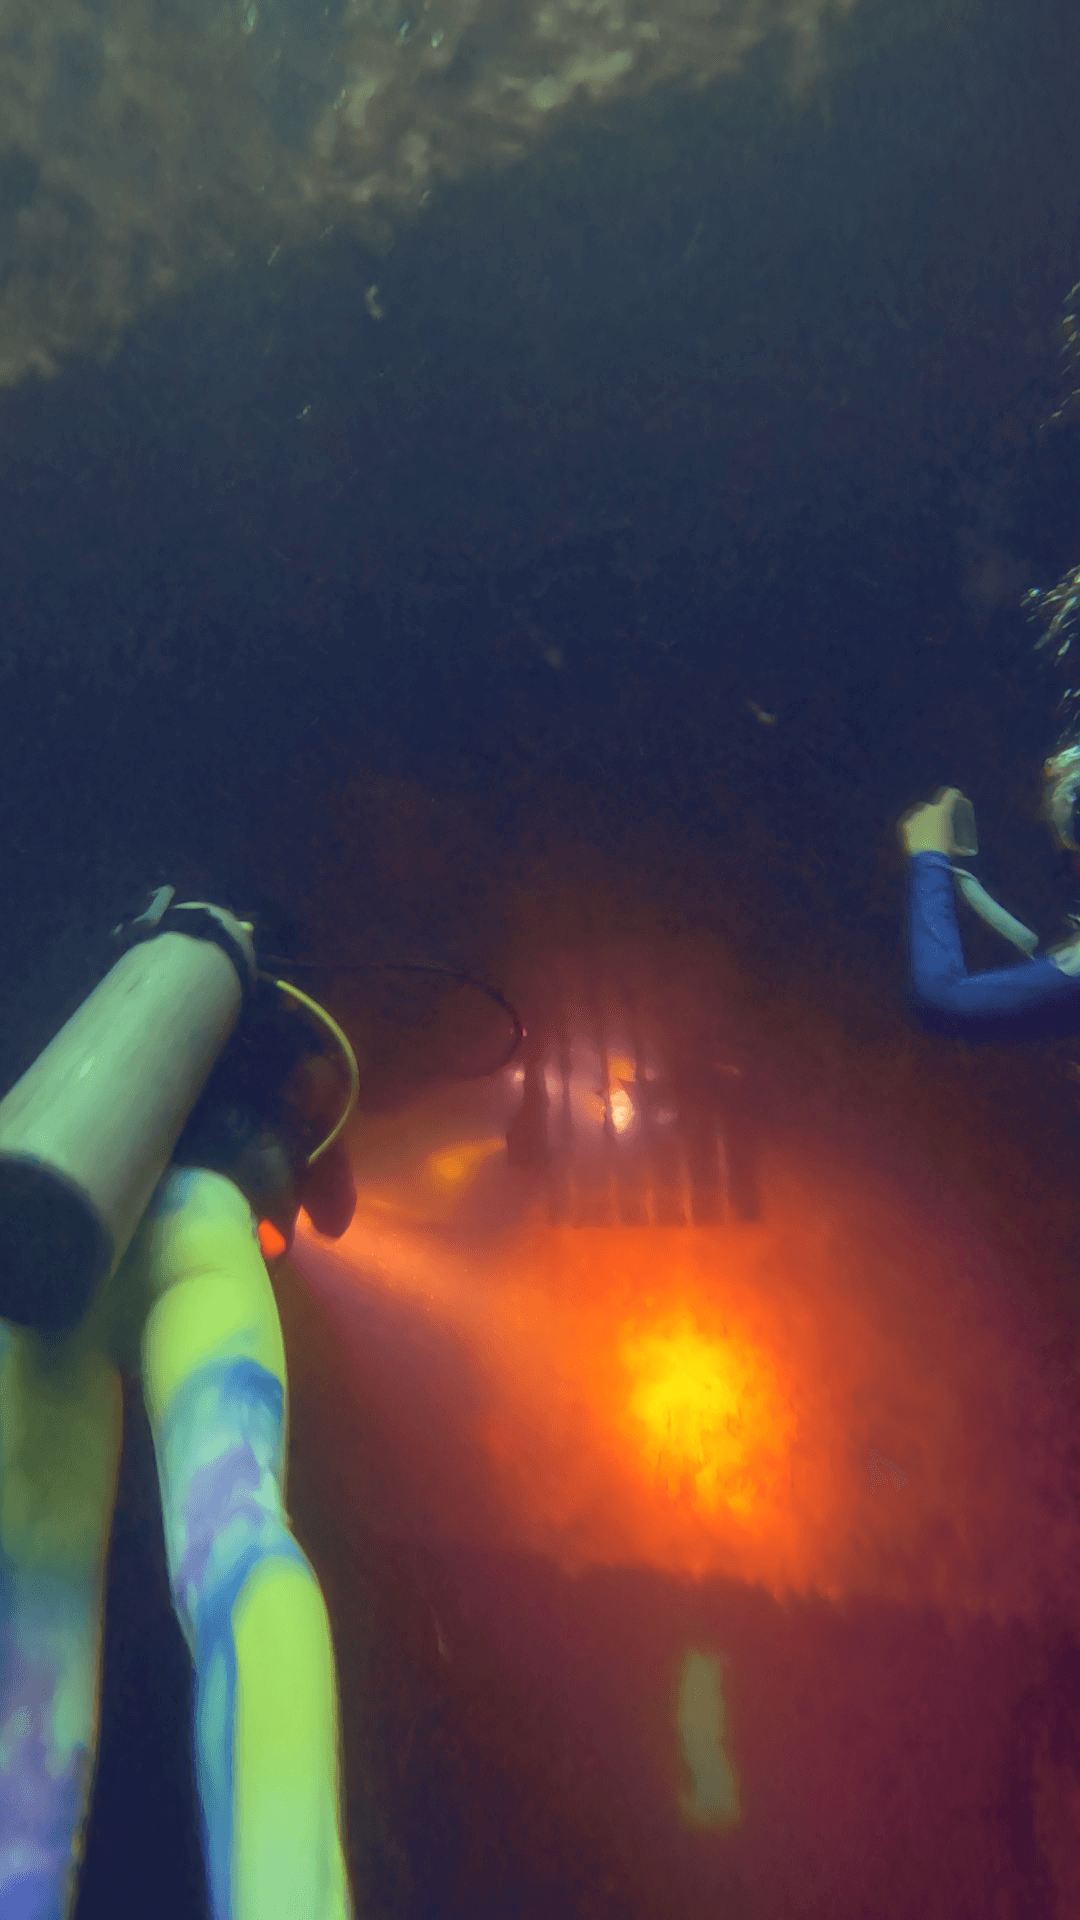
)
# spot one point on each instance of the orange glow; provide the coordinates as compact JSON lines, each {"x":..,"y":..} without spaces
{"x":719,"y":1400}
{"x":456,"y":1163}
{"x":707,"y":1415}
{"x":271,"y":1240}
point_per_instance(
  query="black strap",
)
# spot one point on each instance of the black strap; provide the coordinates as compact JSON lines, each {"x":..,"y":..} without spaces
{"x":198,"y":924}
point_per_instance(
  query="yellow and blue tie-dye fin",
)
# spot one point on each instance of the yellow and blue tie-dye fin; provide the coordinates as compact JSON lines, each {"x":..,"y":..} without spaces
{"x":198,"y":1265}
{"x":266,"y":1729}
{"x":60,"y":1436}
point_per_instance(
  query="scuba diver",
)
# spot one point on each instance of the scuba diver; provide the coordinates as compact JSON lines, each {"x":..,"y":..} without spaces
{"x":166,"y":1140}
{"x":1038,"y":999}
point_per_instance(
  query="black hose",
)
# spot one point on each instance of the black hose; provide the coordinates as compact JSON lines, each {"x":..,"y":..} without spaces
{"x":406,"y":966}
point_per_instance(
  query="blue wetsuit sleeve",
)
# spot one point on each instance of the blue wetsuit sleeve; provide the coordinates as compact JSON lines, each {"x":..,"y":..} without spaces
{"x":1034,"y":1000}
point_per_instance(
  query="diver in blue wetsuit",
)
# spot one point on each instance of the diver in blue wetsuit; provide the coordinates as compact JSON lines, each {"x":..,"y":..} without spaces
{"x":1039,"y":999}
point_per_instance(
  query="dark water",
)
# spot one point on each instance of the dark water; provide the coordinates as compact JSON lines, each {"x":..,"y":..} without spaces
{"x":714,"y":407}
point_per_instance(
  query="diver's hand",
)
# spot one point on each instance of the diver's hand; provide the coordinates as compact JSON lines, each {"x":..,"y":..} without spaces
{"x":272,"y":1173}
{"x":928,"y":828}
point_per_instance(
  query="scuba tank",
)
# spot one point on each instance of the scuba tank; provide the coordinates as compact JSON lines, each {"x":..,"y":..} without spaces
{"x":185,"y":1053}
{"x":87,"y":1133}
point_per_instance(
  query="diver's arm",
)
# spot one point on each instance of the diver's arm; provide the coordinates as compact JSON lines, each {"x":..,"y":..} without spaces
{"x":1035,"y":1000}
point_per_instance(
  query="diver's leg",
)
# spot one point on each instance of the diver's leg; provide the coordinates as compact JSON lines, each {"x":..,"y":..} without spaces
{"x":266,"y":1732}
{"x":266,"y":1714}
{"x":61,"y":1423}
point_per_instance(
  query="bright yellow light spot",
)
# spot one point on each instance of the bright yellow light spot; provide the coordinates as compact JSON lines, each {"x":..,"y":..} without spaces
{"x":707,"y":1415}
{"x":621,"y":1067}
{"x":622,"y":1110}
{"x":456,"y":1163}
{"x":714,"y":1798}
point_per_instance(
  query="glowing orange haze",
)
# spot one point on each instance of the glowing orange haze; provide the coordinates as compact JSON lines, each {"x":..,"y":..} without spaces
{"x":707,"y":1400}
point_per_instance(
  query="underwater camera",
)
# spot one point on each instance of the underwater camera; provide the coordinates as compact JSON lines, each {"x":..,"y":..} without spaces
{"x":965,"y":837}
